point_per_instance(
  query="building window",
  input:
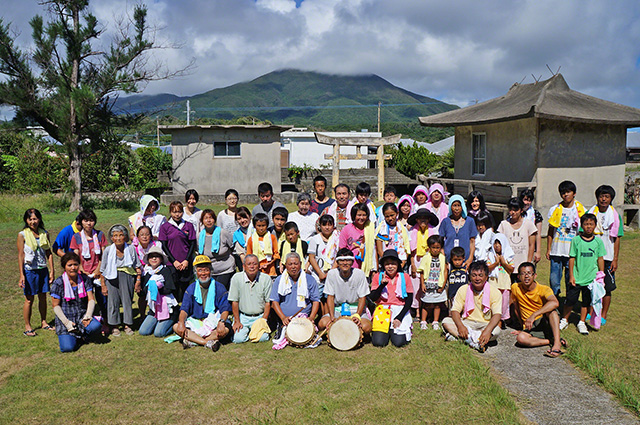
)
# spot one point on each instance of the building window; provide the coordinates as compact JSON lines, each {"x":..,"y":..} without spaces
{"x":479,"y":153}
{"x":229,"y":149}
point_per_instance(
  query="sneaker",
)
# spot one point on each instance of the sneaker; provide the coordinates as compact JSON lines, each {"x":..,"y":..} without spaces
{"x":424,"y":326}
{"x":187,"y":344}
{"x":582,"y":328}
{"x":449,"y":337}
{"x":115,"y":332}
{"x":435,"y":326}
{"x":213,"y":345}
{"x":603,"y":321}
{"x":563,"y":324}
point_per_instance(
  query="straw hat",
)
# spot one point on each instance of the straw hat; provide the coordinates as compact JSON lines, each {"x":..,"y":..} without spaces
{"x":155,"y":250}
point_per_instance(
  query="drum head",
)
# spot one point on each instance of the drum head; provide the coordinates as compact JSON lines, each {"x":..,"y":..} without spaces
{"x":300,"y":331}
{"x":344,"y":334}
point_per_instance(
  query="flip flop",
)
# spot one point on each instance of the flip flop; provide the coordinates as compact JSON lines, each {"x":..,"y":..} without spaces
{"x":29,"y":333}
{"x":553,"y":353}
{"x":563,"y":342}
{"x":48,"y":328}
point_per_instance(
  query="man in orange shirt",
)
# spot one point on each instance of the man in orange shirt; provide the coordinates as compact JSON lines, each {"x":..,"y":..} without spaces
{"x":535,"y":307}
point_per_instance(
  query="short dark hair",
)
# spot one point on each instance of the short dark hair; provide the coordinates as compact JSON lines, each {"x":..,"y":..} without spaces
{"x":176,"y":204}
{"x":281,"y":211}
{"x":260,"y":217}
{"x":319,"y":178}
{"x":344,"y":252}
{"x":476,"y":194}
{"x":363,"y":188}
{"x":479,"y":265}
{"x":567,"y":186}
{"x":192,"y":192}
{"x":588,"y":216}
{"x":265,"y":187}
{"x":68,"y":256}
{"x":389,"y":206}
{"x":434,"y":239}
{"x":527,"y":193}
{"x":231,"y":192}
{"x":483,"y":217}
{"x":144,"y":227}
{"x":339,"y":185}
{"x":87,"y":215}
{"x":458,"y":251}
{"x":390,"y":189}
{"x":243,"y":212}
{"x":525,"y":265}
{"x":326,"y":219}
{"x":605,"y":188}
{"x":290,"y":225}
{"x":359,"y":207}
{"x":210,"y":212}
{"x":515,"y":204}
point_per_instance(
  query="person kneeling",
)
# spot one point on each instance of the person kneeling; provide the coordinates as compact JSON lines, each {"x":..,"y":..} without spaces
{"x":205,"y":310}
{"x":249,"y":296}
{"x":535,"y":307}
{"x":476,"y":310}
{"x":73,"y":303}
{"x":389,"y":290}
{"x":346,"y":285}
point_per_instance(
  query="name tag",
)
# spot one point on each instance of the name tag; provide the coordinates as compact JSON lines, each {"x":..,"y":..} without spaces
{"x":456,"y":243}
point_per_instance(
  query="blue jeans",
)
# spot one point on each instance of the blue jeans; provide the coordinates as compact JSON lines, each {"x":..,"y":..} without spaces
{"x":70,"y":343}
{"x":243,"y":334}
{"x":557,"y":266}
{"x":159,"y":328}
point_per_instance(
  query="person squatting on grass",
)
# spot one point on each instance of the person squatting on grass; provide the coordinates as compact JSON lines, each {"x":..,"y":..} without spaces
{"x":35,"y":264}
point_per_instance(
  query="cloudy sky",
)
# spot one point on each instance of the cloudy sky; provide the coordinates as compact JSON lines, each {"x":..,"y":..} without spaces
{"x":458,"y":52}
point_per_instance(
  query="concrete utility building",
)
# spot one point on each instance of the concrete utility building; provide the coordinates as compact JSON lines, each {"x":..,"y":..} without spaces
{"x":300,"y":147}
{"x":542,"y":133}
{"x":214,"y":158}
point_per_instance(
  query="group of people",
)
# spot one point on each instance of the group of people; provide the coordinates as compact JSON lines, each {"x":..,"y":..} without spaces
{"x":243,"y":275}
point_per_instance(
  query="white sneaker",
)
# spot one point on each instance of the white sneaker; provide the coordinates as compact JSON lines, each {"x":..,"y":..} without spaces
{"x":449,"y":337}
{"x":582,"y":328}
{"x":564,"y":324}
{"x":435,"y":326}
{"x":423,"y":326}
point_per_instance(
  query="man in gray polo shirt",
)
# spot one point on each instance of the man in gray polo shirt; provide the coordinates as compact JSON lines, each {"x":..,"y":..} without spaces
{"x":249,"y":297}
{"x":346,"y":287}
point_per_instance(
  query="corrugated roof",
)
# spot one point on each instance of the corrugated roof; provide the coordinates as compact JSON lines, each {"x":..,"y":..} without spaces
{"x":170,"y":128}
{"x":552,"y":99}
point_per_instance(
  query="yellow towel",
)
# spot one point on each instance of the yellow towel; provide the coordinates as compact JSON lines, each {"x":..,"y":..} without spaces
{"x":421,"y":243}
{"x":255,"y":244}
{"x":381,"y":319}
{"x":556,"y":216}
{"x":425,"y":266}
{"x":258,"y":328}
{"x":30,"y":239}
{"x":369,"y":247}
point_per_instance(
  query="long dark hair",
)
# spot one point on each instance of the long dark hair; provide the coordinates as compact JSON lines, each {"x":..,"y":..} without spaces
{"x":35,"y":212}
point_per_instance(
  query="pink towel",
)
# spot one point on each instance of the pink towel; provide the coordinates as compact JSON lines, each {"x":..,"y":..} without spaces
{"x":469,"y":304}
{"x":68,"y":290}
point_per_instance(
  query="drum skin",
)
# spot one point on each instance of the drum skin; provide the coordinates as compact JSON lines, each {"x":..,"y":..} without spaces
{"x":300,"y":331}
{"x":344,"y":334}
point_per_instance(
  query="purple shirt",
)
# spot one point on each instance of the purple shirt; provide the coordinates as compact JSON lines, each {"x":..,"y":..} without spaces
{"x":177,"y":240}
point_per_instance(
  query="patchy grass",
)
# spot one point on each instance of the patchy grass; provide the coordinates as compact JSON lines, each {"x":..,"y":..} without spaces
{"x":144,"y":380}
{"x":612,"y":355}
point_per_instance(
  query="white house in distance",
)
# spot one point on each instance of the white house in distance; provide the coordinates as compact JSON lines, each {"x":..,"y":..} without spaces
{"x":299,"y":147}
{"x":437,"y":148}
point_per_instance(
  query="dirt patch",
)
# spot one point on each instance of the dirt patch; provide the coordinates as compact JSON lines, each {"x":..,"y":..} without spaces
{"x":552,"y":391}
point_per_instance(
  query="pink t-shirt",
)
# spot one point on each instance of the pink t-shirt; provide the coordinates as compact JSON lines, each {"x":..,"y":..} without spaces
{"x":89,"y":265}
{"x":388,"y":296}
{"x":353,"y":238}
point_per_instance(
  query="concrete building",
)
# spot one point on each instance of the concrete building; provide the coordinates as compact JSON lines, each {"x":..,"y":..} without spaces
{"x":214,"y":158}
{"x":300,"y":147}
{"x":542,"y":133}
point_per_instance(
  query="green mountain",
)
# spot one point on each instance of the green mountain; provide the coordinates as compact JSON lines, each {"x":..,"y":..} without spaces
{"x":300,"y":98}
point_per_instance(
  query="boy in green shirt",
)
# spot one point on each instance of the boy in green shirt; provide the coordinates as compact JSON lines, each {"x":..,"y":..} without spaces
{"x":586,"y":258}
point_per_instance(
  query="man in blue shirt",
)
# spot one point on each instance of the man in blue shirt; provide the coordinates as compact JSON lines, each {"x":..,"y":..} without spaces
{"x":204,"y":315}
{"x":294,"y":291}
{"x":63,"y":240}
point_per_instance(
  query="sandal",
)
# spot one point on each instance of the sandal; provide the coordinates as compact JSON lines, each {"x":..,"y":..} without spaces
{"x":48,"y":328}
{"x":553,"y":353}
{"x":30,"y":333}
{"x":564,"y":343}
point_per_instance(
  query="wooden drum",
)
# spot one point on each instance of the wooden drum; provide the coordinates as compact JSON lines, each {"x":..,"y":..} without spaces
{"x":344,"y":334}
{"x":300,"y":332}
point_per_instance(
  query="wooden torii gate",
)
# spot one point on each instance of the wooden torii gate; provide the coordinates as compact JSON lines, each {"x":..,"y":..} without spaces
{"x":380,"y":157}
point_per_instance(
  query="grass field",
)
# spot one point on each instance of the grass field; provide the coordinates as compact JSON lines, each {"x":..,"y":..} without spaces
{"x":144,"y":380}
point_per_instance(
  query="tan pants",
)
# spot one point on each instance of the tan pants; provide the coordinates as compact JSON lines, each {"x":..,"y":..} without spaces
{"x":471,"y":325}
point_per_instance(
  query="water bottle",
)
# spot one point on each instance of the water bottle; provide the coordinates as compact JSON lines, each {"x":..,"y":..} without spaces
{"x":346,"y":310}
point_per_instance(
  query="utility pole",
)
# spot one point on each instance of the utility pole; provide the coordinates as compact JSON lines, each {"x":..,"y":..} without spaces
{"x":379,"y":104}
{"x":158,"y":130}
{"x":189,"y":112}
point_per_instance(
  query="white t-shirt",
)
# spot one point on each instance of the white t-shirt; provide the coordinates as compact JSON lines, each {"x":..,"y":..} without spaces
{"x":306,"y":224}
{"x":227,"y":222}
{"x":518,"y":239}
{"x":194,"y":219}
{"x":561,"y":243}
{"x":346,"y":291}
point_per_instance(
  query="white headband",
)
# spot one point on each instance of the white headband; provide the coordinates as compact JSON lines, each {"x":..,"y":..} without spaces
{"x":345,"y":257}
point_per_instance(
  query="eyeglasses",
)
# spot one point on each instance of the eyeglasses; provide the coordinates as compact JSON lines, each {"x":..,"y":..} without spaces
{"x":232,"y":198}
{"x":527,"y":273}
